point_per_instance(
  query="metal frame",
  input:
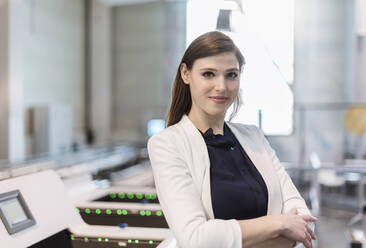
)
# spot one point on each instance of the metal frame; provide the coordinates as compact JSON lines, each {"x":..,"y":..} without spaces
{"x":30,"y":221}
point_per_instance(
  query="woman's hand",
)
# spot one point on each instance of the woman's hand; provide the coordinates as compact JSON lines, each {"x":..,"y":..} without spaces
{"x":295,"y":227}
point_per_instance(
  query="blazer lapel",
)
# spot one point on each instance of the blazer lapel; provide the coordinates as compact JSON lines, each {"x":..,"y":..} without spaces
{"x":200,"y":165}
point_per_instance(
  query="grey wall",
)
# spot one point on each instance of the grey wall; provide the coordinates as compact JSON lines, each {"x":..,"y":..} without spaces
{"x":4,"y":67}
{"x":54,"y":56}
{"x":361,"y":69}
{"x":148,"y":43}
{"x":12,"y":142}
{"x":101,"y":72}
{"x":321,"y":50}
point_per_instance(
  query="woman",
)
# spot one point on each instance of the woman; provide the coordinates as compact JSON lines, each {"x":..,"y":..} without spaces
{"x":220,"y":184}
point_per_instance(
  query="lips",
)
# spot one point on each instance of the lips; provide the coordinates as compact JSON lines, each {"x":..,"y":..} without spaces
{"x":219,"y":99}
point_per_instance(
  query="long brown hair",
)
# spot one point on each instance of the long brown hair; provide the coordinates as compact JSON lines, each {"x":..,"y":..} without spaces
{"x":208,"y":44}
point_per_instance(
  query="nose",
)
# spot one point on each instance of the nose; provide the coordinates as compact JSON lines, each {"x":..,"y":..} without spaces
{"x":220,"y":84}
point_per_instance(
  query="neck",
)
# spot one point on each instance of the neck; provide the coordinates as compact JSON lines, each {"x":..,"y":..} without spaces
{"x":204,"y":121}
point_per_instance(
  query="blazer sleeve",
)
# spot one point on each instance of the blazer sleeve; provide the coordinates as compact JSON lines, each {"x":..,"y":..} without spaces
{"x":181,"y":203}
{"x":291,"y":196}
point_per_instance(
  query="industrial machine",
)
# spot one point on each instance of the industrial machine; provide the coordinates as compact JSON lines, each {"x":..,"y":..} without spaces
{"x":36,"y":212}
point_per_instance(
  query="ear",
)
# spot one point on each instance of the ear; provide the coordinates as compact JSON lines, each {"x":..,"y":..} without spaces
{"x":184,"y":73}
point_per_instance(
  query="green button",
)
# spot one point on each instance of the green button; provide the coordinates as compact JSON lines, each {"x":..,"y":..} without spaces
{"x":142,"y":212}
{"x":78,"y":210}
{"x":87,"y":211}
{"x":121,"y":195}
{"x":129,"y":241}
{"x":97,"y":211}
{"x":72,"y":237}
{"x":139,"y":196}
{"x":86,"y":239}
{"x":151,"y":242}
{"x":113,"y":195}
{"x":106,"y":240}
{"x":136,"y":241}
{"x":130,"y":196}
{"x":148,"y":213}
{"x":148,"y":196}
{"x":100,"y":239}
{"x":159,"y":213}
{"x":153,"y":196}
{"x":108,"y":211}
{"x":119,"y":211}
{"x":124,"y":212}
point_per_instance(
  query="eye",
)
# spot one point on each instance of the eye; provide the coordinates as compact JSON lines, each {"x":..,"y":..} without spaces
{"x":208,"y":74}
{"x":232,"y":75}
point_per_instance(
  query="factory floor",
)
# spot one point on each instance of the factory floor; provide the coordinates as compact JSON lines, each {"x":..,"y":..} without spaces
{"x":332,"y":227}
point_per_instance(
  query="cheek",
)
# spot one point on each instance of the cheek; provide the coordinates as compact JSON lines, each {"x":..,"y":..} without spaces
{"x":199,"y":89}
{"x":234,"y":88}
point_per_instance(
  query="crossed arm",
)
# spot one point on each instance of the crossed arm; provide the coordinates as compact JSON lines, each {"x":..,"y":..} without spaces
{"x":279,"y":230}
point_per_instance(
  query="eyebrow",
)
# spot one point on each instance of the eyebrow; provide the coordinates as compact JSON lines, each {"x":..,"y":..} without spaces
{"x":212,"y":69}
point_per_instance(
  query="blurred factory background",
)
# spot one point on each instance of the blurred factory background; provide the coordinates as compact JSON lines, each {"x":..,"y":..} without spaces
{"x":85,"y":83}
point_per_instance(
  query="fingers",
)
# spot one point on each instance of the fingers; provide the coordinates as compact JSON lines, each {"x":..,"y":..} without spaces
{"x":309,"y":218}
{"x":307,"y":240}
{"x":308,"y":244}
{"x":309,"y":235}
{"x":312,"y":234}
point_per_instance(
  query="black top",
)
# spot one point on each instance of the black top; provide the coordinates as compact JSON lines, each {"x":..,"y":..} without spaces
{"x":238,"y":190}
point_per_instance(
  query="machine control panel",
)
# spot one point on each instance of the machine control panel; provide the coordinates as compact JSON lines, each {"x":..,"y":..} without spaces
{"x":14,"y":212}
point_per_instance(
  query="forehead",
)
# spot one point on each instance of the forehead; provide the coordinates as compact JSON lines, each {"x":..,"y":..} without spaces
{"x":222,"y":60}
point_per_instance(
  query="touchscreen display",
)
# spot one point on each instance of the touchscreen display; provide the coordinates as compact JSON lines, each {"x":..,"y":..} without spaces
{"x":13,"y":211}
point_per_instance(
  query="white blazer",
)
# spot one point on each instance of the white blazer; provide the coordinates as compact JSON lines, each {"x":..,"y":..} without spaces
{"x":181,"y":168}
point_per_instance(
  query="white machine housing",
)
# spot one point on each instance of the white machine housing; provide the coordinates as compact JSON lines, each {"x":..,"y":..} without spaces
{"x":53,"y":211}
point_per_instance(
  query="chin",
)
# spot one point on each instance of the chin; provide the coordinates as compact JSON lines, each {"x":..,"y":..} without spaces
{"x":216,"y":112}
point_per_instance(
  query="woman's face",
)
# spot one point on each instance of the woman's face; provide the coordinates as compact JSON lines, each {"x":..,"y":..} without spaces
{"x":214,"y":83}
